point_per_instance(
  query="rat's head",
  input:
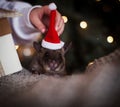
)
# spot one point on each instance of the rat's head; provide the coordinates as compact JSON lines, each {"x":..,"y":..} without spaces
{"x":51,"y":61}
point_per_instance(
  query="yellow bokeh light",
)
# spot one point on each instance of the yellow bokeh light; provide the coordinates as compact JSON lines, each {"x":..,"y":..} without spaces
{"x":90,"y":63}
{"x":65,"y":19}
{"x":83,"y":24}
{"x":27,"y":52}
{"x":16,"y":47}
{"x":110,"y":39}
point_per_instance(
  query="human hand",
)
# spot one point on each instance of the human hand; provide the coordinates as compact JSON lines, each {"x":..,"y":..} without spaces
{"x":40,"y":18}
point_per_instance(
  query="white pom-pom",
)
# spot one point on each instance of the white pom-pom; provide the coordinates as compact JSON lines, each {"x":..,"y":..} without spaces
{"x":52,"y":6}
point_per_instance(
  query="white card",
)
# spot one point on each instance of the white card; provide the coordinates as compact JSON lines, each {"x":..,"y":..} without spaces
{"x":8,"y":55}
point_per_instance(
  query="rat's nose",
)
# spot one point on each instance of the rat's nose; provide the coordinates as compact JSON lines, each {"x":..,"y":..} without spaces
{"x":53,"y":64}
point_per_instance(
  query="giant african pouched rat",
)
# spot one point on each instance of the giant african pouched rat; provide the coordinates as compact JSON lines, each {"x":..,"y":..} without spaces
{"x":49,"y":61}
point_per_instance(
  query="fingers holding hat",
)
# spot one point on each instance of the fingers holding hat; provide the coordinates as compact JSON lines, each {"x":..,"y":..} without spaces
{"x":59,"y":25}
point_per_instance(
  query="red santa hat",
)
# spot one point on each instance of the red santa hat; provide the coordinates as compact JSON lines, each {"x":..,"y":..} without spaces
{"x":52,"y":40}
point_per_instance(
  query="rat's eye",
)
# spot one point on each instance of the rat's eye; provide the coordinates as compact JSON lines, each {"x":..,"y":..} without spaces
{"x":46,"y":54}
{"x":59,"y":55}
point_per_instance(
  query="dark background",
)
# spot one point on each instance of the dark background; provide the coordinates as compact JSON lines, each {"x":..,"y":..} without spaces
{"x":103,"y":19}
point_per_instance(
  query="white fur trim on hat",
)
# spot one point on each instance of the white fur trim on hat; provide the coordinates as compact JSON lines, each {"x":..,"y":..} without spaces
{"x":52,"y":6}
{"x":52,"y":46}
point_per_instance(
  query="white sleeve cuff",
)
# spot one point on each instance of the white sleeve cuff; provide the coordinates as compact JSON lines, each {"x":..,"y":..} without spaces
{"x":22,"y":25}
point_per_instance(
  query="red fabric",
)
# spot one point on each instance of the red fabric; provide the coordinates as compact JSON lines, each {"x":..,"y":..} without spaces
{"x":52,"y":35}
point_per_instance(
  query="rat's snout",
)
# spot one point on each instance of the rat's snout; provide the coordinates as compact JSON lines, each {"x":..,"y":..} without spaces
{"x":52,"y":64}
{"x":53,"y":61}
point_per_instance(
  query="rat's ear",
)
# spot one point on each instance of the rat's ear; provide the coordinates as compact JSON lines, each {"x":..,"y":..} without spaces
{"x":67,"y":46}
{"x":37,"y":46}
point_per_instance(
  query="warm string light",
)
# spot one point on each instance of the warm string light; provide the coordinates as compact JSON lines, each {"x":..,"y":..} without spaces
{"x":90,"y":63}
{"x":83,"y":24}
{"x":16,"y":47}
{"x":110,"y":39}
{"x":65,"y":19}
{"x":25,"y":51}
